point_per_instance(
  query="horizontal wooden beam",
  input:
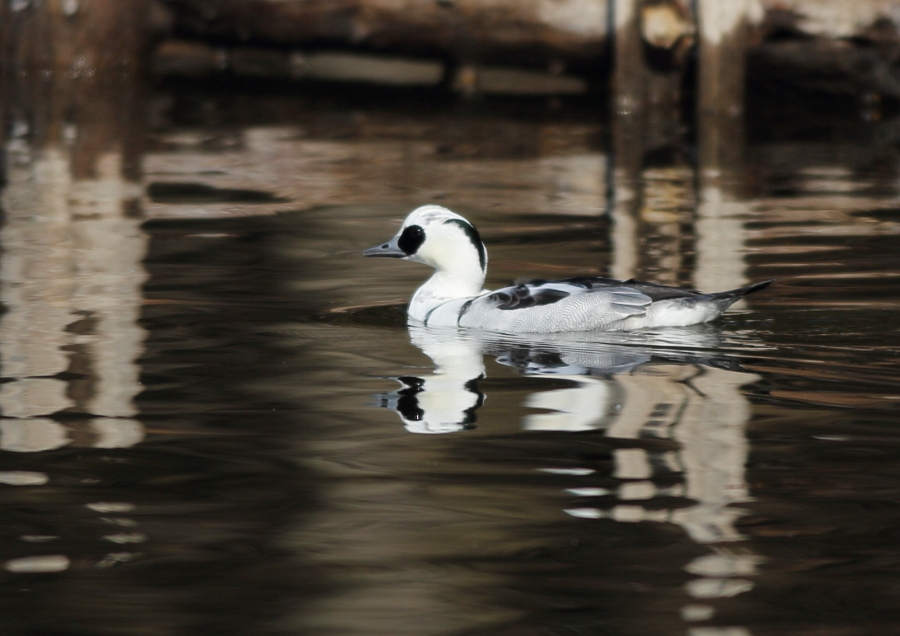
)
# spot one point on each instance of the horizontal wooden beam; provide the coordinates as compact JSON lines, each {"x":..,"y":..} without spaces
{"x":521,"y":31}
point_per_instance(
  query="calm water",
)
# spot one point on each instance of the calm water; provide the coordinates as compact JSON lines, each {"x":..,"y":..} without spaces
{"x":215,"y":419}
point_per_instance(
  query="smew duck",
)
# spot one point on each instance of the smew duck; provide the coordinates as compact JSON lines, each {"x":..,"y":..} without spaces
{"x":455,"y":295}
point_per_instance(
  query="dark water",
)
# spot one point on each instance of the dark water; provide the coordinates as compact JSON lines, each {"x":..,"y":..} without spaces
{"x":216,"y":421}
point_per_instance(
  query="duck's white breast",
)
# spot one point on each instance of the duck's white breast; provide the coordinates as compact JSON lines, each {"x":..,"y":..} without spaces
{"x":444,"y":313}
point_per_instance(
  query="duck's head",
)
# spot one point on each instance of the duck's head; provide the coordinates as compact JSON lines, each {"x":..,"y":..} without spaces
{"x":435,"y":236}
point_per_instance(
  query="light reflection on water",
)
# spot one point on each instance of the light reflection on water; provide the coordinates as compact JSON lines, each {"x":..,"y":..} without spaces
{"x":191,"y":406}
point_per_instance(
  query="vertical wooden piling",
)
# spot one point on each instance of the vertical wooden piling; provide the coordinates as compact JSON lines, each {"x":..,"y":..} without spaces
{"x":629,"y":86}
{"x":79,"y":37}
{"x":651,"y":40}
{"x":724,"y":34}
{"x":627,"y":138}
{"x":725,"y":29}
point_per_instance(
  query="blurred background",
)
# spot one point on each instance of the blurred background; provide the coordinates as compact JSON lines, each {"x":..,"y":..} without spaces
{"x":214,"y":418}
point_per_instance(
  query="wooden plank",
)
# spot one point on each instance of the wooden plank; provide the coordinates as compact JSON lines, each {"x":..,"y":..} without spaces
{"x":520,"y":31}
{"x":826,"y":39}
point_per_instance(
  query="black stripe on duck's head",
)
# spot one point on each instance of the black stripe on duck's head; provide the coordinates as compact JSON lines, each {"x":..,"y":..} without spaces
{"x":474,"y":238}
{"x":438,"y":237}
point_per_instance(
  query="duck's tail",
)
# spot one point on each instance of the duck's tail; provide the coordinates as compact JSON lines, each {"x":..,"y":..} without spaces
{"x":727,"y":298}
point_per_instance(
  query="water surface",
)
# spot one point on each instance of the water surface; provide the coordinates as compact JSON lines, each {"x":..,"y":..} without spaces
{"x":215,"y":419}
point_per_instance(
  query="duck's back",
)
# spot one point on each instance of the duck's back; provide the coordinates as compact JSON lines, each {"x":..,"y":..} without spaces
{"x":590,"y":304}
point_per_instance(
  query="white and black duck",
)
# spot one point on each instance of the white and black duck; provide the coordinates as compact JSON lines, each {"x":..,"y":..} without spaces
{"x":454,"y":295}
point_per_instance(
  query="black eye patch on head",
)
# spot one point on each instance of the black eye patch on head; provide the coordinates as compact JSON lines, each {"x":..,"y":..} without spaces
{"x":411,"y":239}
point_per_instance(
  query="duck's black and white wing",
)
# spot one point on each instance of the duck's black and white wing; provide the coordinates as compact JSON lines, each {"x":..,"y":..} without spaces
{"x":552,"y":306}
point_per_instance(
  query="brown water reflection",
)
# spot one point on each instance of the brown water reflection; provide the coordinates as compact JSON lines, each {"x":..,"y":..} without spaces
{"x":195,"y":363}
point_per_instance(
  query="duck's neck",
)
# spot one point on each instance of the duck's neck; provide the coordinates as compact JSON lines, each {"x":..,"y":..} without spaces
{"x":446,"y":285}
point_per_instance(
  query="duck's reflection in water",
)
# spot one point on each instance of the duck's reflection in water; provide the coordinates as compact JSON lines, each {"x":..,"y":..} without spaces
{"x":673,"y":385}
{"x":444,"y":401}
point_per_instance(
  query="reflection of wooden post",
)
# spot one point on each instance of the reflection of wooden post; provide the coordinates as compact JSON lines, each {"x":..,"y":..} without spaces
{"x":71,"y":267}
{"x":720,"y":240}
{"x":703,"y":409}
{"x":713,"y":454}
{"x":72,"y":245}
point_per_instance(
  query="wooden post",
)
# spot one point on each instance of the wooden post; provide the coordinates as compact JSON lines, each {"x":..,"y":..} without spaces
{"x":725,"y":27}
{"x":724,"y":36}
{"x":651,"y":40}
{"x":79,"y":37}
{"x":627,"y":138}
